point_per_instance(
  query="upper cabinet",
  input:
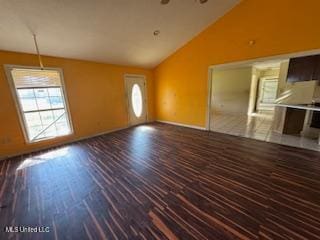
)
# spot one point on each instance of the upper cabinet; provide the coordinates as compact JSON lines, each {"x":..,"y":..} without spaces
{"x":304,"y":69}
{"x":316,"y":74}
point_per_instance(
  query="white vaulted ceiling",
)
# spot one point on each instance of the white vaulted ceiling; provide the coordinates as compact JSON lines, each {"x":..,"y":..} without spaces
{"x":112,"y":31}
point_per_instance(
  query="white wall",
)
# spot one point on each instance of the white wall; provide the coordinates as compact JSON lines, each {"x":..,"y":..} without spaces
{"x":231,"y":90}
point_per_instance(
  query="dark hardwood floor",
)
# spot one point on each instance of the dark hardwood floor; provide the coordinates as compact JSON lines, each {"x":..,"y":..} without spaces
{"x":163,"y":182}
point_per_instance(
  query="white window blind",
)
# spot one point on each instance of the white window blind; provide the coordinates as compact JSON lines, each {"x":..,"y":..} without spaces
{"x":24,"y":78}
{"x":41,"y":103}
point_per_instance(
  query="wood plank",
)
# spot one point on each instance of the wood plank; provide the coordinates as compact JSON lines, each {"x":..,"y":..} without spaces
{"x":160,"y":181}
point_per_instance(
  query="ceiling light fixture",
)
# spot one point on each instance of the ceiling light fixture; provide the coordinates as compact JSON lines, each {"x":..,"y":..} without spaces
{"x":156,"y":32}
{"x":164,"y":2}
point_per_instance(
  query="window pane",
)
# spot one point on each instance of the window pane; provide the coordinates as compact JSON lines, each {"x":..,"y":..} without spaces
{"x":34,"y":131}
{"x":50,"y":132}
{"x":28,"y":104}
{"x":136,"y":99}
{"x":63,"y":128}
{"x":41,"y":92}
{"x":26,"y":93}
{"x":56,"y":102}
{"x":47,"y":117}
{"x":43,"y":103}
{"x":54,"y":92}
{"x":33,"y":119}
{"x":59,"y":114}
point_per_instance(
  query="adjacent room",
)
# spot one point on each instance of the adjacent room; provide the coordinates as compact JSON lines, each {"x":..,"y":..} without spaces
{"x":159,"y":119}
{"x":270,"y":100}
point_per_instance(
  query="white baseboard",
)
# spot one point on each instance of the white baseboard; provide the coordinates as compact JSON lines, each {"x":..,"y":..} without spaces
{"x":182,"y":125}
{"x":61,"y":143}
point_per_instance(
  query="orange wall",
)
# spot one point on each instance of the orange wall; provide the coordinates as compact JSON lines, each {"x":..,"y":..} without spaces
{"x":277,"y":26}
{"x":95,"y":93}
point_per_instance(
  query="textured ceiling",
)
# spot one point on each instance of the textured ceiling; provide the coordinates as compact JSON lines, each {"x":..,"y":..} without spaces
{"x":112,"y":31}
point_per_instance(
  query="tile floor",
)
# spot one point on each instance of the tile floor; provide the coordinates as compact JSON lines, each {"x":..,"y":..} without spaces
{"x":258,"y":126}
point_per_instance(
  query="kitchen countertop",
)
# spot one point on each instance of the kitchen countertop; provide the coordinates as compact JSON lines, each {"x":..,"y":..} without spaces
{"x":300,"y":106}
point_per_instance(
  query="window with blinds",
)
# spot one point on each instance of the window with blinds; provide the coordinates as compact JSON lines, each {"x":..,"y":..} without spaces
{"x":41,"y":101}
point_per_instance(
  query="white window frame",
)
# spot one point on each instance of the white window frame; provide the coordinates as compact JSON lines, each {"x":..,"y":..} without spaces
{"x":19,"y":108}
{"x":259,"y":96}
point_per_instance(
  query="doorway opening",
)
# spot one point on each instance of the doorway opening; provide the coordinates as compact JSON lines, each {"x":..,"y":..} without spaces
{"x":243,"y":99}
{"x":267,"y":93}
{"x":272,"y":100}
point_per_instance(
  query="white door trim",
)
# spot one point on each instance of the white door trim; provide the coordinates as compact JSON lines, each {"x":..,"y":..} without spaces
{"x":126,"y":76}
{"x":209,"y":100}
{"x":262,"y":81}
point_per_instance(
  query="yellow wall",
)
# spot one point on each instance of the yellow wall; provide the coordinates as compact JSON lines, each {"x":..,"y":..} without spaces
{"x":95,"y":93}
{"x":277,"y":26}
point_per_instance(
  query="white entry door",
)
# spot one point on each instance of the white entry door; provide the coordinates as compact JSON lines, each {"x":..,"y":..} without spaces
{"x":136,"y":97}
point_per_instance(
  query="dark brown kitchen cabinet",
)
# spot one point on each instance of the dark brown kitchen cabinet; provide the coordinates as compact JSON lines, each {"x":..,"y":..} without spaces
{"x":294,"y":120}
{"x":316,"y":74}
{"x":303,"y":68}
